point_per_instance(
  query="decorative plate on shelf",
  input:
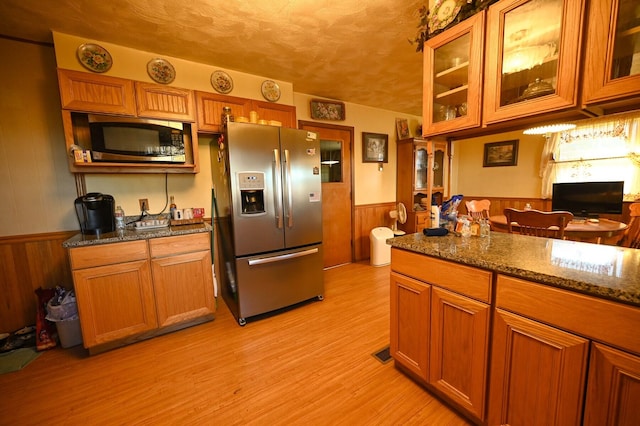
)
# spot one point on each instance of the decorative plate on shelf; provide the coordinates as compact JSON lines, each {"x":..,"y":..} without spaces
{"x":270,"y":90}
{"x":443,"y":13}
{"x":94,"y":58}
{"x":221,"y":81}
{"x":161,"y":71}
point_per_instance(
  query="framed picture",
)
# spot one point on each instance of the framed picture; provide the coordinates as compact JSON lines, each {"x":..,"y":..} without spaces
{"x":402,"y":126}
{"x":327,"y":110}
{"x":500,"y":154}
{"x":375,"y":148}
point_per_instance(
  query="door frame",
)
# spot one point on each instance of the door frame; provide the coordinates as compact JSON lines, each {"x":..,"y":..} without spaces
{"x":351,"y":131}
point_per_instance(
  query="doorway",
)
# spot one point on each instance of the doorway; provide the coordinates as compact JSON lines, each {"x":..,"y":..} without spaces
{"x":336,"y":147}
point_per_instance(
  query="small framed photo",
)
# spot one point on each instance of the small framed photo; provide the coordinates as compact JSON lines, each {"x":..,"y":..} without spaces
{"x":500,"y":154}
{"x":327,"y":110}
{"x":375,"y":147}
{"x":402,"y":127}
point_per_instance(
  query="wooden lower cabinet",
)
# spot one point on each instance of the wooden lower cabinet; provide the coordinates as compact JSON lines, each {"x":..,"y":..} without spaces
{"x":410,"y":301}
{"x":439,"y":334}
{"x":537,"y":373}
{"x":613,"y":390}
{"x":135,"y":290}
{"x":114,"y":301}
{"x":182,"y":286}
{"x":459,"y":348}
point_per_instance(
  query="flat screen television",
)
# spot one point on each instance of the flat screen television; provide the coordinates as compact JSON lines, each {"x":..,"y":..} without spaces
{"x":588,"y":199}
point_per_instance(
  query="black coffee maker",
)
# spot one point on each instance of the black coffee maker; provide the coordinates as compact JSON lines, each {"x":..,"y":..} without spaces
{"x":96,"y":213}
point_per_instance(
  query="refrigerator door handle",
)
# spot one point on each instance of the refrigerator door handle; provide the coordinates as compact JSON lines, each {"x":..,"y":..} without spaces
{"x":289,"y":189}
{"x":282,"y":257}
{"x":277,"y":194}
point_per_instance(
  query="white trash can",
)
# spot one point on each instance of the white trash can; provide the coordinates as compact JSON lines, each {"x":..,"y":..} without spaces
{"x":380,"y":250}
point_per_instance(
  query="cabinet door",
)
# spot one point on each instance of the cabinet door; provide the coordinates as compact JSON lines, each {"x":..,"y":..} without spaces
{"x":209,"y":107}
{"x":410,"y":306}
{"x":532,"y":53}
{"x":169,"y":103}
{"x":285,"y":114}
{"x":114,"y":301}
{"x":612,"y":61}
{"x":81,"y":91}
{"x":537,"y":373}
{"x":453,"y":77}
{"x":613,"y":392}
{"x":459,"y":348}
{"x":183,"y":287}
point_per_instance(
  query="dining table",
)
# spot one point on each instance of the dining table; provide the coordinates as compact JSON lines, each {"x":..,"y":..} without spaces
{"x":586,"y":230}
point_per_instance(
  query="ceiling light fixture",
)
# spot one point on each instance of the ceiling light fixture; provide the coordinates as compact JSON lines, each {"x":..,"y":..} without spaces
{"x":549,"y":128}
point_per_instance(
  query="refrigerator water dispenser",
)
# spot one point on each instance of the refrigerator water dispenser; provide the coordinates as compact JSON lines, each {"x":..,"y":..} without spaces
{"x":251,"y":186}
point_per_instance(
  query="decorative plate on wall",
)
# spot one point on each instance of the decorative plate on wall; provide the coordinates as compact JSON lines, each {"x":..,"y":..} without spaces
{"x":94,"y":58}
{"x":270,"y":90}
{"x":443,"y":13}
{"x":161,"y":71}
{"x":221,"y":81}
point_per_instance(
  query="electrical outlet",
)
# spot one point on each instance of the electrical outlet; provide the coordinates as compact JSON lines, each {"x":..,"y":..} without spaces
{"x":144,"y":204}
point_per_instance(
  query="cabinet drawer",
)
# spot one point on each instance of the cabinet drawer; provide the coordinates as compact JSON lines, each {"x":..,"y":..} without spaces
{"x":472,"y":282}
{"x":422,"y":219}
{"x":107,"y":254}
{"x":603,"y":320}
{"x":168,"y":246}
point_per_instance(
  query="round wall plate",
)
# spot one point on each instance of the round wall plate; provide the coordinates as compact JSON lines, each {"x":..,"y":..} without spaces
{"x":221,"y":82}
{"x":94,"y":58}
{"x":270,"y":90}
{"x":161,"y":71}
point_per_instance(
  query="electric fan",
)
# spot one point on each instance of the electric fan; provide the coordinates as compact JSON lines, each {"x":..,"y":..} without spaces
{"x":398,"y":215}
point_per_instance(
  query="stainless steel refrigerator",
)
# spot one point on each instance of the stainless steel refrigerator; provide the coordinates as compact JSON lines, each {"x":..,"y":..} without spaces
{"x":268,"y":210}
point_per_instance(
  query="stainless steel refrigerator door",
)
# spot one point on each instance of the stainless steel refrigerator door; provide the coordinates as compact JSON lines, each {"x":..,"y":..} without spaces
{"x":256,"y":148}
{"x":302,"y":186}
{"x":278,"y":280}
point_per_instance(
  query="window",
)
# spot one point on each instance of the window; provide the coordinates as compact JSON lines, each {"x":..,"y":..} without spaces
{"x":597,"y":150}
{"x":331,"y":161}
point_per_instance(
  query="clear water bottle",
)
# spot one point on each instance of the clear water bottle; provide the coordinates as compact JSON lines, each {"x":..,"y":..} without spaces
{"x":119,"y":215}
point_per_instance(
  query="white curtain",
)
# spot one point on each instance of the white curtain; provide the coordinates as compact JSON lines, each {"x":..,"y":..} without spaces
{"x":597,"y":150}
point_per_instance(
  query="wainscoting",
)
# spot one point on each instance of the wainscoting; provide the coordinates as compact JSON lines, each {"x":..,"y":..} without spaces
{"x":39,"y":260}
{"x":367,"y":217}
{"x":29,"y":262}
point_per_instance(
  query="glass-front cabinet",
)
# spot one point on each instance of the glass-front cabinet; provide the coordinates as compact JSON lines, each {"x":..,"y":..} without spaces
{"x":452,"y":79}
{"x":612,"y":58}
{"x":532,"y":54}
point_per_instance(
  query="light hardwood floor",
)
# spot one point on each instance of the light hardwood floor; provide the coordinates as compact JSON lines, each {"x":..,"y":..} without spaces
{"x":312,"y":365}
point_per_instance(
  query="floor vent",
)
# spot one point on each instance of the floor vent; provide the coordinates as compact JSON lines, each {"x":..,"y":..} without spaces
{"x":383,"y":355}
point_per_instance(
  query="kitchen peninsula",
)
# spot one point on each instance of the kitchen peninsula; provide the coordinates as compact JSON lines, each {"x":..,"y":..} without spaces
{"x":509,"y":327}
{"x":136,"y":284}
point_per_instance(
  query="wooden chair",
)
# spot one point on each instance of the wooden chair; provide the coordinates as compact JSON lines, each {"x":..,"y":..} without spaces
{"x":478,"y":209}
{"x":631,"y":236}
{"x":538,"y":223}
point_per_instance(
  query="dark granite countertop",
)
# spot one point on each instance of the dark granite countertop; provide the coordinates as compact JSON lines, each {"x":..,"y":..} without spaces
{"x":131,"y":234}
{"x":599,"y":270}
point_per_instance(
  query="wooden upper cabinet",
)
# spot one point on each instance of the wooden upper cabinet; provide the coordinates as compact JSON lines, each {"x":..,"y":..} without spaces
{"x":285,"y":114}
{"x":532,"y":58}
{"x":452,"y":95}
{"x":209,"y":107}
{"x":81,"y":91}
{"x":164,"y":102}
{"x":612,"y":54}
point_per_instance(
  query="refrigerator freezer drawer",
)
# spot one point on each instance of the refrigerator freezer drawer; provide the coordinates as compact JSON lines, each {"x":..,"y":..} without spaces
{"x":278,"y":280}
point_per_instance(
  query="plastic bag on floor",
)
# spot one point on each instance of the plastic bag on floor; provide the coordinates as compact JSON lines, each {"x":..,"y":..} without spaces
{"x":62,"y":306}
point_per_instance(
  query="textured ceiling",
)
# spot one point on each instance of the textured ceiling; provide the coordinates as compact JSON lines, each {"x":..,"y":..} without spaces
{"x":350,"y":50}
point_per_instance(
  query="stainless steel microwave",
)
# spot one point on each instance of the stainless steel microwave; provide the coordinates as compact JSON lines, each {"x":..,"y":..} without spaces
{"x":123,"y":139}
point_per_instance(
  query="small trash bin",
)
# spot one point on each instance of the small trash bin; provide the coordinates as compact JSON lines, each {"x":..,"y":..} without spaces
{"x":380,"y":250}
{"x":69,"y":332}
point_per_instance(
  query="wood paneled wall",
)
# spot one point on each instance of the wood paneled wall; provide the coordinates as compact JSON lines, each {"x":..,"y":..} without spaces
{"x":29,"y":262}
{"x":498,"y":204}
{"x":367,"y":217}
